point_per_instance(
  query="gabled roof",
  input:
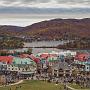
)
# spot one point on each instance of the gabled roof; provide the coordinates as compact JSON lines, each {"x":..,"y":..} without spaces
{"x":24,"y":55}
{"x":18,"y":60}
{"x":82,"y":57}
{"x":6,"y":59}
{"x":47,"y":55}
{"x":35,"y":59}
{"x":44,"y":56}
{"x":62,"y":65}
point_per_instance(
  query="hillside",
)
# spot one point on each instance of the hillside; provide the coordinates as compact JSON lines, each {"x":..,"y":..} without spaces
{"x":77,"y":44}
{"x":10,"y":30}
{"x":51,"y":30}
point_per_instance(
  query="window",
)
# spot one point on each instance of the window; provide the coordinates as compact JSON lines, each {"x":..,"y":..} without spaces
{"x":25,"y":62}
{"x":9,"y":68}
{"x":87,"y":67}
{"x":55,"y":70}
{"x":19,"y":68}
{"x":12,"y":68}
{"x":8,"y":65}
{"x":3,"y":77}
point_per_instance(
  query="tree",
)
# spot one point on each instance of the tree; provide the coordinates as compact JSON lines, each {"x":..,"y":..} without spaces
{"x":29,"y":51}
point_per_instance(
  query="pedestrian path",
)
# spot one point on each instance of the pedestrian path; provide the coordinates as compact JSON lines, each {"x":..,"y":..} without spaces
{"x":74,"y":88}
{"x":14,"y":83}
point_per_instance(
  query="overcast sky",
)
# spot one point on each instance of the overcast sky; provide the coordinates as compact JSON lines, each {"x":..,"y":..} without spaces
{"x":27,"y":12}
{"x":46,"y":3}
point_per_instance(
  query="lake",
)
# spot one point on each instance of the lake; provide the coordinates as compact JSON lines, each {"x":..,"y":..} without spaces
{"x":41,"y":44}
{"x":48,"y":44}
{"x":45,"y":43}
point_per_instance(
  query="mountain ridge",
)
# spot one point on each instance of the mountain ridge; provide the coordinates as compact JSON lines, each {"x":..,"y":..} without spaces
{"x":54,"y":29}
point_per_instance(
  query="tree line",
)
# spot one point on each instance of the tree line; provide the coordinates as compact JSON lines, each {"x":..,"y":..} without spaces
{"x":11,"y":43}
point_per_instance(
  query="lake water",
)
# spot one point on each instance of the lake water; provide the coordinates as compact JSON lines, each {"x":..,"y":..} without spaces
{"x":44,"y":43}
{"x":41,"y":44}
{"x":47,"y":50}
{"x":49,"y":44}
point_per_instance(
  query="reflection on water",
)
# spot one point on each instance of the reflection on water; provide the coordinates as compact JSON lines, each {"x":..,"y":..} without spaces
{"x":46,"y":50}
{"x":44,"y":43}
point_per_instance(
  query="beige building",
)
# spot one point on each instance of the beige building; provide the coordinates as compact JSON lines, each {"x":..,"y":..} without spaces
{"x":61,"y":69}
{"x":2,"y":79}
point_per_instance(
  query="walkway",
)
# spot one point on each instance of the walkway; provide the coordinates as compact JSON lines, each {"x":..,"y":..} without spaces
{"x":14,"y":83}
{"x":70,"y":88}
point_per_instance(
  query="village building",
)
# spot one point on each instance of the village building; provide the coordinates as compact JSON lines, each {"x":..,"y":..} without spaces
{"x":83,"y":62}
{"x":62,"y":69}
{"x":2,"y":78}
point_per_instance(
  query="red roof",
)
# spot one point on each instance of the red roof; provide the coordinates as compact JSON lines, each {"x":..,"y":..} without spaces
{"x":81,"y":57}
{"x":24,"y":55}
{"x":45,"y":56}
{"x":53,"y":55}
{"x":7,"y":59}
{"x":35,"y":59}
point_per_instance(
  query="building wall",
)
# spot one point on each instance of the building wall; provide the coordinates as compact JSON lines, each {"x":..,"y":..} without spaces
{"x":12,"y":68}
{"x":2,"y":79}
{"x":59,"y":73}
{"x":87,"y":68}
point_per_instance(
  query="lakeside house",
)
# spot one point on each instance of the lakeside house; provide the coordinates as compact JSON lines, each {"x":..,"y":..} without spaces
{"x":16,"y":68}
{"x":6,"y":59}
{"x":57,"y":64}
{"x":62,"y":69}
{"x":83,"y":61}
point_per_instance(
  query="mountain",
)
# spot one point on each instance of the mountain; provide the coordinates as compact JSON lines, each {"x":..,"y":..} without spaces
{"x":10,"y":30}
{"x":60,"y":29}
{"x":52,"y":29}
{"x":77,"y":44}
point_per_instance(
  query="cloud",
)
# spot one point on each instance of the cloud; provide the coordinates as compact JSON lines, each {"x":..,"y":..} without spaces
{"x":34,"y":10}
{"x":21,"y":2}
{"x":44,"y":6}
{"x":14,"y":11}
{"x":73,"y":1}
{"x":46,"y":3}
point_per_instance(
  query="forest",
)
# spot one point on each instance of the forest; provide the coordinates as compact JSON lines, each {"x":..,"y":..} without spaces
{"x":11,"y":43}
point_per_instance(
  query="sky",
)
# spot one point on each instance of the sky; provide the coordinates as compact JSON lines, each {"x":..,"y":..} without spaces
{"x":27,"y":12}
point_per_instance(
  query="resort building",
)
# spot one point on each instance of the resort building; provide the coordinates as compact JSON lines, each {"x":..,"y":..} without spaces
{"x":61,"y":69}
{"x":83,"y":62}
{"x":2,"y":79}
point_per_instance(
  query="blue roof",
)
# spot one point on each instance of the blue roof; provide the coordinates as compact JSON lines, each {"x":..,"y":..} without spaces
{"x":18,"y":60}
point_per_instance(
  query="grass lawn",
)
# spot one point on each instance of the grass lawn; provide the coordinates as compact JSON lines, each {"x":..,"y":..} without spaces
{"x":76,"y":86}
{"x":34,"y":85}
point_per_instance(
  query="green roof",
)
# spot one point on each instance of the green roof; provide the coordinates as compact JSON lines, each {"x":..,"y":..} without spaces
{"x":18,"y":60}
{"x":52,"y":59}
